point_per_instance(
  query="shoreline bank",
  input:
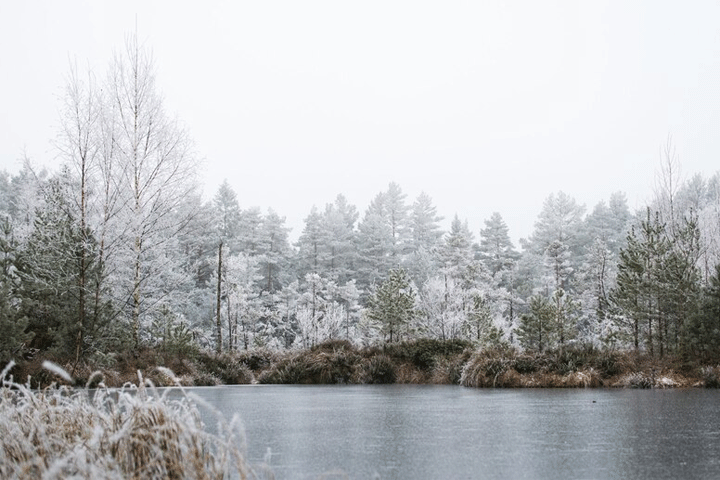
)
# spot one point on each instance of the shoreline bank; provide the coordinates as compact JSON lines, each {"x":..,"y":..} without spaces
{"x":449,"y":362}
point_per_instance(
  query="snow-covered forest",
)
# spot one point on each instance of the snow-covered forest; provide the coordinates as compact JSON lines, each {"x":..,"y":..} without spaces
{"x":117,"y":249}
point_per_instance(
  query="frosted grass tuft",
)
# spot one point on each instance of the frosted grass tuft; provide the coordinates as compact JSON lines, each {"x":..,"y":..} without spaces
{"x":57,"y":370}
{"x":7,"y":369}
{"x":131,"y":432}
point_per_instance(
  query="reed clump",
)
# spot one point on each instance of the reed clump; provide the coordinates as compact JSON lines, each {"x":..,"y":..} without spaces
{"x":571,"y":367}
{"x":229,"y":369}
{"x":425,"y":353}
{"x":490,"y":368}
{"x":338,"y":361}
{"x":380,"y":369}
{"x":711,"y":377}
{"x":324,"y":364}
{"x":135,"y":432}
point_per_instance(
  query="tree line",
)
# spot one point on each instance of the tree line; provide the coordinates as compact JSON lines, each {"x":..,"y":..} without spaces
{"x":117,"y":250}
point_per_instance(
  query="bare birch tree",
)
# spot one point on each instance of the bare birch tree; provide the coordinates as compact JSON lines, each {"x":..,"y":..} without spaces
{"x":154,"y":156}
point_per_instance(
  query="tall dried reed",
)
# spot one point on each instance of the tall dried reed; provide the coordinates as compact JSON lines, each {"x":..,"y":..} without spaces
{"x":136,"y":432}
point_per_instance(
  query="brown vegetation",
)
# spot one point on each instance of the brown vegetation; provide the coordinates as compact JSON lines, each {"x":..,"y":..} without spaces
{"x":425,"y":361}
{"x":133,"y":433}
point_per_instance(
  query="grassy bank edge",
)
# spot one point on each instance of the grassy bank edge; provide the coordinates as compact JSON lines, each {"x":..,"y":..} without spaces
{"x":423,"y":361}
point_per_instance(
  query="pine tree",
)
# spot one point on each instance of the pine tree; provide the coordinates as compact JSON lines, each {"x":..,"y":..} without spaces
{"x":250,"y":231}
{"x":640,"y":284}
{"x":425,"y":224}
{"x":556,"y":237}
{"x":701,"y":334}
{"x":603,"y":235}
{"x":535,"y":331}
{"x":392,"y":304}
{"x":628,"y":294}
{"x":383,"y":236}
{"x":565,"y":314}
{"x":4,"y":193}
{"x":480,"y":326}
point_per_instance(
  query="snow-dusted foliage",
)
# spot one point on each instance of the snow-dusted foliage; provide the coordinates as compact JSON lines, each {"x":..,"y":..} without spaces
{"x":117,"y":249}
{"x":325,"y":311}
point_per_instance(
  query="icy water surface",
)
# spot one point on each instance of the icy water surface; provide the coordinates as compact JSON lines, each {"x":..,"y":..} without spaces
{"x":450,"y":432}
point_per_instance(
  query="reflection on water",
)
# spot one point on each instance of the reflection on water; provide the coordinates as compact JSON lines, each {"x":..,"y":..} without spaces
{"x":434,"y":432}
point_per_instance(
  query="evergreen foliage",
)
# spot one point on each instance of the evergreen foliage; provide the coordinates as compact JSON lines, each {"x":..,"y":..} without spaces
{"x":657,"y":284}
{"x":496,"y":250}
{"x":392,"y":304}
{"x":50,"y":267}
{"x":702,"y":331}
{"x":535,"y":331}
{"x":12,"y":325}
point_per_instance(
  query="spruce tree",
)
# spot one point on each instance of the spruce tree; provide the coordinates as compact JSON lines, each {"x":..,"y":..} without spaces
{"x":496,"y":249}
{"x":311,"y":246}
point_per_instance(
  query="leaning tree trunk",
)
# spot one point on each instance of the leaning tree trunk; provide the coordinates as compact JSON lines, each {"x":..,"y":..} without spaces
{"x":219,"y":297}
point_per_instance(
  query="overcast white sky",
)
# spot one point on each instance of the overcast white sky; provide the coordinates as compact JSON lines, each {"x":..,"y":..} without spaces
{"x":485,"y":105}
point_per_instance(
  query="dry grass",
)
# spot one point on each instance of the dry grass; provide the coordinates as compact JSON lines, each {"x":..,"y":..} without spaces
{"x":508,"y":368}
{"x":410,"y":374}
{"x":710,"y":376}
{"x":582,"y":379}
{"x":655,"y":379}
{"x":130,"y":433}
{"x":489,"y":368}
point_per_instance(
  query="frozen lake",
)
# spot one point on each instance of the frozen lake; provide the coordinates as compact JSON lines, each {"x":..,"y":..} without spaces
{"x":434,"y":432}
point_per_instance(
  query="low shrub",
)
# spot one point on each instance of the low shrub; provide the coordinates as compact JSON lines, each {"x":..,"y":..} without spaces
{"x":711,"y":377}
{"x":635,"y":380}
{"x":485,"y":368}
{"x":611,"y":363}
{"x":582,"y":379}
{"x":333,"y":345}
{"x":203,"y":379}
{"x":228,"y":369}
{"x":567,"y":360}
{"x":407,"y":373}
{"x":448,"y":371}
{"x":380,"y":369}
{"x":313,"y":367}
{"x":525,"y":363}
{"x":256,"y":360}
{"x":425,"y":352}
